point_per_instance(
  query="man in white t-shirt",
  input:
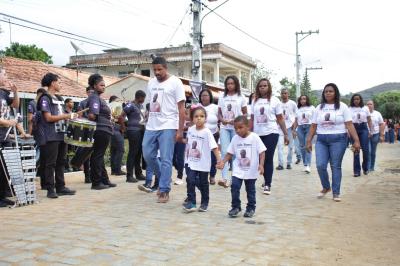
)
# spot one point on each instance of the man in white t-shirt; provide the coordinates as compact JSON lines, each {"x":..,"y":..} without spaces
{"x":289,"y":108}
{"x":165,"y":124}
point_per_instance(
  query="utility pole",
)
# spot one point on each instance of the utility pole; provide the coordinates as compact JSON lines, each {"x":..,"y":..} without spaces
{"x":196,"y":35}
{"x":306,"y":34}
{"x":313,"y":68}
{"x":9,"y":25}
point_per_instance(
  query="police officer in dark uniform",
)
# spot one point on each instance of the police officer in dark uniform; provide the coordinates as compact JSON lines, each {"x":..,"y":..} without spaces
{"x":5,"y":123}
{"x":82,"y":105}
{"x":101,"y":113}
{"x":50,"y":136}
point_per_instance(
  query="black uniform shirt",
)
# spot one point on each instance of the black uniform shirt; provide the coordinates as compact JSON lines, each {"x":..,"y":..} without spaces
{"x":99,"y":107}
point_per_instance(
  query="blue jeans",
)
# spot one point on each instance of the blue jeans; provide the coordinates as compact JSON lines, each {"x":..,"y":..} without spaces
{"x":150,"y":173}
{"x":270,"y":141}
{"x":250,"y":185}
{"x":281,"y":144}
{"x":226,"y":136}
{"x":178,"y":160}
{"x":163,"y":140}
{"x":391,"y":135}
{"x":362,"y":132}
{"x":373,"y":143}
{"x":330,"y":148}
{"x":200,"y":180}
{"x":302,"y":134}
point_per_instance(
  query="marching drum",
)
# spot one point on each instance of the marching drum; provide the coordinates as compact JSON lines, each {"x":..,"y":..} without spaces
{"x":80,"y":132}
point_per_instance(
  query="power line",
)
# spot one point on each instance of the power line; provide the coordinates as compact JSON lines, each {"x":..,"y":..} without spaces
{"x":249,"y":35}
{"x":62,"y":31}
{"x":177,"y":27}
{"x":68,"y":37}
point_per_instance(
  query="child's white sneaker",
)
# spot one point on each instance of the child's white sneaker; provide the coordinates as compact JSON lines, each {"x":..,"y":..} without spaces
{"x":307,"y":169}
{"x":178,"y":181}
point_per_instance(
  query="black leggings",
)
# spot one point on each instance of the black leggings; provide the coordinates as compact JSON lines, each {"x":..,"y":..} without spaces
{"x":270,"y":142}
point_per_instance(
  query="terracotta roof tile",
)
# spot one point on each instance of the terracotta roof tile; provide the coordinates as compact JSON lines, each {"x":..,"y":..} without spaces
{"x":27,"y":75}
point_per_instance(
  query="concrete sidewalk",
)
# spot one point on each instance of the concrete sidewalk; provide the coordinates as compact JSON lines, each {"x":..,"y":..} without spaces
{"x":124,"y":226}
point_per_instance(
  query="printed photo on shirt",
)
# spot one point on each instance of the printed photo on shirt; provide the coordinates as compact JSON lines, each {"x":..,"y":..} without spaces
{"x":244,"y":156}
{"x":229,"y":113}
{"x":4,"y":109}
{"x":156,"y":100}
{"x":328,"y":120}
{"x":304,"y":118}
{"x":262,"y":118}
{"x":195,"y":148}
{"x":285,"y":115}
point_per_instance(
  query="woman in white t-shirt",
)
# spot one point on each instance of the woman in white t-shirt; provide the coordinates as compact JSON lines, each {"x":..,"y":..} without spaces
{"x":330,"y":121}
{"x":362,"y":121}
{"x":378,"y":135}
{"x":266,"y":115}
{"x":207,"y":101}
{"x":231,"y":104}
{"x":302,"y":122}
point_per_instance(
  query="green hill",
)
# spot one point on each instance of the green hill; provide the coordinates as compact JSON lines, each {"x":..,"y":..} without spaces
{"x":369,"y":93}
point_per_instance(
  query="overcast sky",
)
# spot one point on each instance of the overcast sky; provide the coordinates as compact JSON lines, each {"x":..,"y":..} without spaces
{"x":358,"y":45}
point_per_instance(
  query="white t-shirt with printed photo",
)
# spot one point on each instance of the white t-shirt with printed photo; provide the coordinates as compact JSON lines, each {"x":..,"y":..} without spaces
{"x":247,"y":154}
{"x":164,"y":98}
{"x":359,"y":114}
{"x":377,"y":120}
{"x":331,"y":121}
{"x":289,"y":110}
{"x":198,"y":149}
{"x":264,"y":112}
{"x":304,"y":115}
{"x":231,"y":107}
{"x":212,"y":117}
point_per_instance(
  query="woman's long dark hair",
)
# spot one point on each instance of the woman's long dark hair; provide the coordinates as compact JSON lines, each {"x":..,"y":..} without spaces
{"x":209,"y":93}
{"x":337,"y":95}
{"x":258,"y":94}
{"x":307,"y":101}
{"x":237,"y":84}
{"x":352,"y":100}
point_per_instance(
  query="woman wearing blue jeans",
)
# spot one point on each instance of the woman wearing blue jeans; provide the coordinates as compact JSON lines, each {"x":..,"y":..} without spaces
{"x":361,"y":118}
{"x":231,"y":104}
{"x":266,"y":116}
{"x":330,"y":121}
{"x":302,"y":122}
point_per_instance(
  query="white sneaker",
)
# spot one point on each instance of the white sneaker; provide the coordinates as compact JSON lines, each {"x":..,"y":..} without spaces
{"x":178,"y":181}
{"x":337,"y":198}
{"x":307,"y":169}
{"x":267,"y":190}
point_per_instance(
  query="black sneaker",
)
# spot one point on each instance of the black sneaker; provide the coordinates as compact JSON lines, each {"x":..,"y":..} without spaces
{"x":118,"y":173}
{"x":8,"y":201}
{"x":131,"y":179}
{"x":100,"y":186}
{"x":234,"y":212}
{"x":108,"y":183}
{"x":366,"y":172}
{"x":280,"y":167}
{"x":87,"y":179}
{"x":144,"y":188}
{"x":203,"y":208}
{"x":186,"y":200}
{"x":288,"y":166}
{"x":65,"y":191}
{"x":249,"y":213}
{"x":298,"y":161}
{"x":3,"y":204}
{"x":51,"y":194}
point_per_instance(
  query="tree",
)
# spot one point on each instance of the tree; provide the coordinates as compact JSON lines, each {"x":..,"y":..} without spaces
{"x":260,"y":72}
{"x":30,"y":52}
{"x":388,"y":103}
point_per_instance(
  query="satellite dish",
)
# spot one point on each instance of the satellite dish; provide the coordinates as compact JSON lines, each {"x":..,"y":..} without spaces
{"x":77,"y":49}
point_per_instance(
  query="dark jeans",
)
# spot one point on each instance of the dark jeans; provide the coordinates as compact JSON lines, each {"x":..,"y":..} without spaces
{"x":391,"y":135}
{"x":373,"y":143}
{"x":213,"y":170}
{"x":178,"y":161}
{"x":54,"y":153}
{"x":3,"y":183}
{"x":270,"y":141}
{"x":135,"y":138}
{"x":250,"y":185}
{"x":116,"y":151}
{"x":98,"y":171}
{"x":200,"y":180}
{"x":362,"y":132}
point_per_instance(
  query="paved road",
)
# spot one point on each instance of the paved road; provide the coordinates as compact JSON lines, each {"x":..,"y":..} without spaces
{"x":123,"y":226}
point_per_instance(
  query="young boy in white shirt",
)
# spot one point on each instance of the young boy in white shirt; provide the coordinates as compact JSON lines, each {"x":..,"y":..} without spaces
{"x":249,"y":145}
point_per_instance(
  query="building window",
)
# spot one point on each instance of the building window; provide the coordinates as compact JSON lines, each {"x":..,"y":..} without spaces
{"x":145,"y":72}
{"x":122,"y":74}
